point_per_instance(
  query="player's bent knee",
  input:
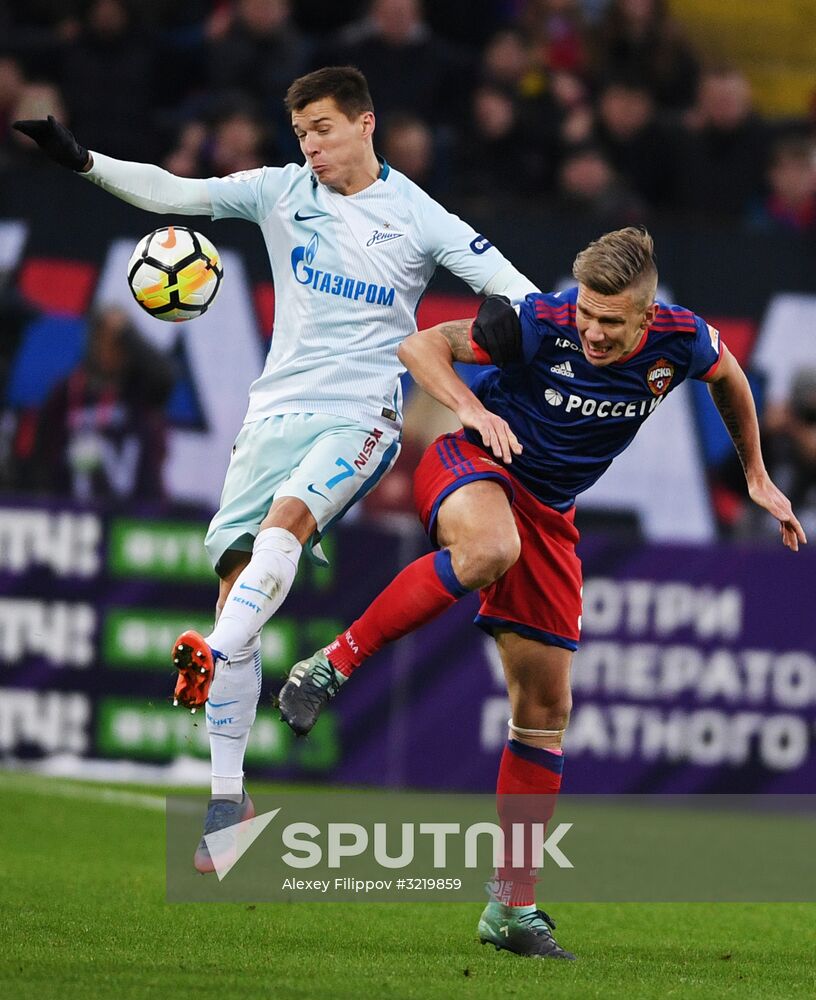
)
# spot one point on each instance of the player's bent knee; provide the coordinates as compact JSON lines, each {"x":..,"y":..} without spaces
{"x":500,"y":554}
{"x":479,"y":565}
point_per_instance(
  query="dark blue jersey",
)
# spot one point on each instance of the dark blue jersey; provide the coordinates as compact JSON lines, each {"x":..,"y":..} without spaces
{"x":571,"y":417}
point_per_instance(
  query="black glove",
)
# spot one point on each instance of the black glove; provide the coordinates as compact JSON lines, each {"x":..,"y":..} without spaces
{"x":497,"y":330}
{"x":55,"y":141}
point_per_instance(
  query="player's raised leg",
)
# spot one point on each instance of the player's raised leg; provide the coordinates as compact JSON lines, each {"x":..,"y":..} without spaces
{"x":474,"y":526}
{"x":282,"y":488}
{"x":234,"y":686}
{"x":279,"y":459}
{"x":253,"y":537}
{"x":265,"y":581}
{"x":528,"y":783}
{"x":230,"y":713}
{"x":312,"y":496}
{"x":247,"y":600}
{"x":230,"y":684}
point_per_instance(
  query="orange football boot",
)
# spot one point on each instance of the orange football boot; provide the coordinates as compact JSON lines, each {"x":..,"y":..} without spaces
{"x":194,"y":660}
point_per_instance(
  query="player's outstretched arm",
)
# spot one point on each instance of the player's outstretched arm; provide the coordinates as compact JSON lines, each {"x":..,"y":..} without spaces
{"x":56,"y":141}
{"x":732,"y":396}
{"x":429,"y":356}
{"x":140,"y":184}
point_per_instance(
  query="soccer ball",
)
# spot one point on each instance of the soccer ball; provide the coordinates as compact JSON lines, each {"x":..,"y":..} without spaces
{"x":175,"y":273}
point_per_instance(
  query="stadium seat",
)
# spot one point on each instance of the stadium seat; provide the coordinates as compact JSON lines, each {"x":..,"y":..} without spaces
{"x":771,"y":42}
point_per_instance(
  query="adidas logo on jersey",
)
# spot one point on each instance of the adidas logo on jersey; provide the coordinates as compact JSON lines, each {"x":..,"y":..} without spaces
{"x":564,"y":369}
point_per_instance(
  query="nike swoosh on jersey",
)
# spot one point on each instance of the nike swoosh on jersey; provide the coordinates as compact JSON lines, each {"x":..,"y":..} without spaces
{"x":221,"y":704}
{"x":305,"y":218}
{"x":312,"y":489}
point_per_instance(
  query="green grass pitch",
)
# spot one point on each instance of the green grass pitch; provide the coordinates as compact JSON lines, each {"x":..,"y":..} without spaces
{"x":82,"y":914}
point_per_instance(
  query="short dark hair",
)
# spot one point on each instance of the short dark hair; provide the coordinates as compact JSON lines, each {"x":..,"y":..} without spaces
{"x":346,"y":85}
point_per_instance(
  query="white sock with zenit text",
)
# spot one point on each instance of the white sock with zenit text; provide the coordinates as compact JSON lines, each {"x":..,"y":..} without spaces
{"x":258,"y":592}
{"x":230,"y":712}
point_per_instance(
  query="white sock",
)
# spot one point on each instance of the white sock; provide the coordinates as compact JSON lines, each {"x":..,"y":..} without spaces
{"x":258,"y":592}
{"x":230,"y":713}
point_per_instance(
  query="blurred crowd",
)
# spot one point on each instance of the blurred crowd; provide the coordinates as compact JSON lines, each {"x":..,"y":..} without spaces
{"x":601,"y":106}
{"x":99,"y":431}
{"x":788,"y":431}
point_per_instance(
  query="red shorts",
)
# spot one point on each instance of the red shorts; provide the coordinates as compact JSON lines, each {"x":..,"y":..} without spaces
{"x":540,"y":596}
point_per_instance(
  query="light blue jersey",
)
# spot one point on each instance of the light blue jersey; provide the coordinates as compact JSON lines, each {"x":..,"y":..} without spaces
{"x":349,"y":271}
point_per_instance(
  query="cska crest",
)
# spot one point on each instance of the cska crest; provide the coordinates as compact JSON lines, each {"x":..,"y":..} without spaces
{"x":659,"y":376}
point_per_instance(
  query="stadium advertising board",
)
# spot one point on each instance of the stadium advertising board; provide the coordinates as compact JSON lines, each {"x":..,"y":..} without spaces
{"x":697,"y":669}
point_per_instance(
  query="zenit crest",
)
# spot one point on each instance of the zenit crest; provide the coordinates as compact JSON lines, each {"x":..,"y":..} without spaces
{"x":659,"y":377}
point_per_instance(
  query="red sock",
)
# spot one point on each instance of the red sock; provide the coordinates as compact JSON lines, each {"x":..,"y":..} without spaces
{"x":529,"y":781}
{"x":423,"y":590}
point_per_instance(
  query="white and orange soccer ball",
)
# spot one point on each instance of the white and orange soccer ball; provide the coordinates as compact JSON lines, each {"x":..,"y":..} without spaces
{"x":175,"y":273}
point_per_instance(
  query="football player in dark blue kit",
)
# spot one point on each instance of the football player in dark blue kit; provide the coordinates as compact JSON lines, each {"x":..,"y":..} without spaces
{"x":572,"y":377}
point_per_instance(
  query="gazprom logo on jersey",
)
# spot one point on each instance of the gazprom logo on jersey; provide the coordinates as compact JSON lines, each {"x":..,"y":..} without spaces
{"x":336,"y":284}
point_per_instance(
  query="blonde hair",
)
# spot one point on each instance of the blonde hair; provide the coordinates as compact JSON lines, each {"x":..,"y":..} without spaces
{"x":621,"y":260}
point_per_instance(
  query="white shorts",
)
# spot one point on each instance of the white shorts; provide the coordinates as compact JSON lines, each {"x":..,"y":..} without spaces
{"x":328,"y":462}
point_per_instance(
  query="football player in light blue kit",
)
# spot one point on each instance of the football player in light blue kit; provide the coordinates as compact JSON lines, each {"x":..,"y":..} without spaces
{"x":353,"y":245}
